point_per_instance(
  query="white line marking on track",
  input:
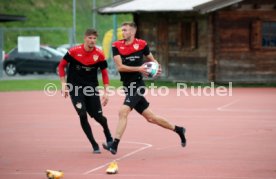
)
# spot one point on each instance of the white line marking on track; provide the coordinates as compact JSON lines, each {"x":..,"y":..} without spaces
{"x":214,"y":139}
{"x":153,"y":175}
{"x":121,"y":158}
{"x":248,"y":110}
{"x":138,"y":175}
{"x":221,"y":108}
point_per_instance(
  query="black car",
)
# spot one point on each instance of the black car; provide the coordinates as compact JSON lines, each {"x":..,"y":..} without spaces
{"x":46,"y":60}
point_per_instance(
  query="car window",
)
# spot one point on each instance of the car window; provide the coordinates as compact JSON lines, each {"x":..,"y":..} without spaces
{"x":22,"y":55}
{"x":43,"y":53}
{"x":13,"y":52}
{"x":53,"y":51}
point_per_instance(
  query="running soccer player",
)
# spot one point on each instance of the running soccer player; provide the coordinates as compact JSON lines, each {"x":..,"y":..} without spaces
{"x":83,"y":62}
{"x":128,"y":56}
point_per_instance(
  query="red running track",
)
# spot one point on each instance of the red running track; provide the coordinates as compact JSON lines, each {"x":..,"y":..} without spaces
{"x":231,"y":137}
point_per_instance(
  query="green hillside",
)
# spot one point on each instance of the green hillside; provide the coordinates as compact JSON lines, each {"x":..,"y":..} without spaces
{"x":54,"y":14}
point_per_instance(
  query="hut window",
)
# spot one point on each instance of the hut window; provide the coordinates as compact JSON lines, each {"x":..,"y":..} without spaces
{"x":269,"y":34}
{"x":182,"y":35}
{"x":263,"y":34}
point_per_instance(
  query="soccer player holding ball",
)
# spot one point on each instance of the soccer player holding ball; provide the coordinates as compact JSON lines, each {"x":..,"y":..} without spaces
{"x":128,"y":56}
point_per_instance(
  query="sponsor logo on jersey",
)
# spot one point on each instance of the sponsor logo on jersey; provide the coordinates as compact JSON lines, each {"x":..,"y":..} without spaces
{"x":136,"y":46}
{"x":87,"y":68}
{"x":78,"y":67}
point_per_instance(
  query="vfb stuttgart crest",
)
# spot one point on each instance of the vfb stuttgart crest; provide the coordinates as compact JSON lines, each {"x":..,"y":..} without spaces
{"x":136,"y":46}
{"x":95,"y":57}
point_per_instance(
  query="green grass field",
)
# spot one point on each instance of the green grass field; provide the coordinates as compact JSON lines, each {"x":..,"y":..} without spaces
{"x":25,"y":85}
{"x":33,"y":85}
{"x":54,"y":14}
{"x":38,"y":85}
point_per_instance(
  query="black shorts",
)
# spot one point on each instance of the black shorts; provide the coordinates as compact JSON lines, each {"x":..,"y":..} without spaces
{"x":135,"y":96}
{"x":84,"y":101}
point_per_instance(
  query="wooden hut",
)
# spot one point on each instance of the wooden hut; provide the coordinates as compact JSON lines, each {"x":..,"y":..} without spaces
{"x":208,"y":40}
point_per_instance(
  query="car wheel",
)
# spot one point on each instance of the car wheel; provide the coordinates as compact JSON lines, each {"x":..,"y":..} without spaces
{"x":10,"y":69}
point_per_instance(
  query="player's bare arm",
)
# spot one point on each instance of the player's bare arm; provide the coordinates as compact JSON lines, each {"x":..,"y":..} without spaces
{"x":64,"y":88}
{"x":150,"y":58}
{"x":124,"y":68}
{"x":105,"y":79}
{"x":105,"y":96}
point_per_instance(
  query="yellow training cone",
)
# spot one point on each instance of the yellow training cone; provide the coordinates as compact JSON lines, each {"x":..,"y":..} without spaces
{"x":112,"y":168}
{"x":52,"y":174}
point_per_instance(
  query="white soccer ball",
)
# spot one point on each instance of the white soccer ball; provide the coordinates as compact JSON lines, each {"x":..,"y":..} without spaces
{"x":152,"y":69}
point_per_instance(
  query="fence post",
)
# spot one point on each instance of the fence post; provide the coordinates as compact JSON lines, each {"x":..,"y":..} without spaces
{"x":1,"y":51}
{"x":70,"y":36}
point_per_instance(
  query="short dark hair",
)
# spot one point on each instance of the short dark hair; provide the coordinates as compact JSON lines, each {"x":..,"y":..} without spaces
{"x":91,"y":31}
{"x":131,"y":24}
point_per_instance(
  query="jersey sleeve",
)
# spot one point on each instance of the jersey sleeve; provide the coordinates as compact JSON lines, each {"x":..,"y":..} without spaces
{"x":105,"y":76}
{"x":68,"y":57}
{"x":101,"y":55}
{"x":102,"y":62}
{"x":61,"y":67}
{"x":146,"y":50}
{"x":115,"y":51}
{"x":103,"y":65}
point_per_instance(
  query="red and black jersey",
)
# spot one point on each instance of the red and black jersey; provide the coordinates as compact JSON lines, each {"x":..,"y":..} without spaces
{"x":131,"y":55}
{"x":83,"y":65}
